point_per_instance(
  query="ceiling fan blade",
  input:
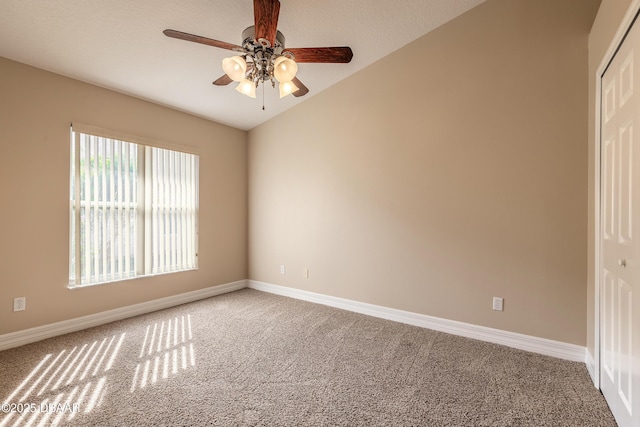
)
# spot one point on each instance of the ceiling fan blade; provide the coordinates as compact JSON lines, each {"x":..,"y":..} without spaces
{"x":322,"y":54}
{"x":202,"y":40}
{"x":302,"y":89}
{"x":223,"y":80}
{"x":265,"y":14}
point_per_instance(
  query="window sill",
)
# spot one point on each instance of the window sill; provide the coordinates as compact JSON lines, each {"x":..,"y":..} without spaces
{"x":145,"y":276}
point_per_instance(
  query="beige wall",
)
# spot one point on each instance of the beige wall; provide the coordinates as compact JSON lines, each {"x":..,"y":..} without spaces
{"x":430,"y":197}
{"x":35,"y":111}
{"x":434,"y":195}
{"x":607,"y":22}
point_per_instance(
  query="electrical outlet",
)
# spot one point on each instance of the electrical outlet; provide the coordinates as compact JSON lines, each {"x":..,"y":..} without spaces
{"x":19,"y":304}
{"x":305,"y":273}
{"x":497,"y":303}
{"x":282,"y":269}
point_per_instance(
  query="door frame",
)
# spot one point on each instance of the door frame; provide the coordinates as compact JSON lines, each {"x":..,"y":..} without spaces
{"x":623,"y":28}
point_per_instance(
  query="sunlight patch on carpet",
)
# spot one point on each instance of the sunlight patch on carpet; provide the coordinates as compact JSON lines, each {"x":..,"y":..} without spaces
{"x":167,"y":349}
{"x":73,"y":381}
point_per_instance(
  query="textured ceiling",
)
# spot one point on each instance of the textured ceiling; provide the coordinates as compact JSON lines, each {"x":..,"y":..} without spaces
{"x":118,"y":44}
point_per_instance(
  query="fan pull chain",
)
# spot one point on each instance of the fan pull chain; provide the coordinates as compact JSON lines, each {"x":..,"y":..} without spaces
{"x":263,"y":97}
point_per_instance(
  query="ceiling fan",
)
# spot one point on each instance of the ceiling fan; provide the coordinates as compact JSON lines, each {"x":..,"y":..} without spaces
{"x":263,"y":57}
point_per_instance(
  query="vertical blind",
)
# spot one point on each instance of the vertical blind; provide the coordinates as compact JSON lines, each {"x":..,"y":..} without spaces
{"x":133,"y":210}
{"x":173,"y":209}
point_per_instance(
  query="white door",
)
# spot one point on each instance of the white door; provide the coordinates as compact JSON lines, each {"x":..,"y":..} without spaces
{"x":620,"y":279}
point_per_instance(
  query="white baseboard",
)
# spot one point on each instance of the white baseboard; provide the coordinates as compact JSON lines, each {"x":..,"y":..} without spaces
{"x":511,"y":339}
{"x":16,"y":339}
{"x":533,"y":344}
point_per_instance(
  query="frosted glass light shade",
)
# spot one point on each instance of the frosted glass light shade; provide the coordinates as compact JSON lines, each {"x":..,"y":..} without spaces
{"x":286,"y":88}
{"x":284,"y":69}
{"x":247,"y":87}
{"x":235,"y":67}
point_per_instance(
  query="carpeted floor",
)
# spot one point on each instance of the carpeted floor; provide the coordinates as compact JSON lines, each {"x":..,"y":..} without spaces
{"x":252,"y":358}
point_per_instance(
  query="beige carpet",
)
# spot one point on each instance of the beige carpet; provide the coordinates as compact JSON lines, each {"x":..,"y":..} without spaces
{"x":251,"y":358}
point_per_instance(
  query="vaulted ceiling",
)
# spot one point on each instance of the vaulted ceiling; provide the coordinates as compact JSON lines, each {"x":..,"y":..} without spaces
{"x":119,"y":45}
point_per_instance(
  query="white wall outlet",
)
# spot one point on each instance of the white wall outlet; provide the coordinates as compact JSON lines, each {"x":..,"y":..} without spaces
{"x":497,"y":303}
{"x":282,"y":269}
{"x":305,"y":273}
{"x":19,"y":304}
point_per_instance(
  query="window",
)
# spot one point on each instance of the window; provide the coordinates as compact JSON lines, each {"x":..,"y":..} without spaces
{"x":133,"y":209}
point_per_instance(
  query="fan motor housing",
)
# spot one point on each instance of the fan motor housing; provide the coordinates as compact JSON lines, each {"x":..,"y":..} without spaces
{"x":249,"y":41}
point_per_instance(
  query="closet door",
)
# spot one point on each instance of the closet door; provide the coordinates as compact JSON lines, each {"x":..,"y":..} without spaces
{"x":620,"y":276}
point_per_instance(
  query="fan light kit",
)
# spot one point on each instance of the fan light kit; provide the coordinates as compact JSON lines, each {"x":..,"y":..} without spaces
{"x":261,"y":63}
{"x":262,"y":58}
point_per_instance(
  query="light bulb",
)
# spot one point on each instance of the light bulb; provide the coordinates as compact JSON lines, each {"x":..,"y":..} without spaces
{"x":286,"y":88}
{"x":247,"y":87}
{"x":235,"y":67}
{"x":284,"y":69}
